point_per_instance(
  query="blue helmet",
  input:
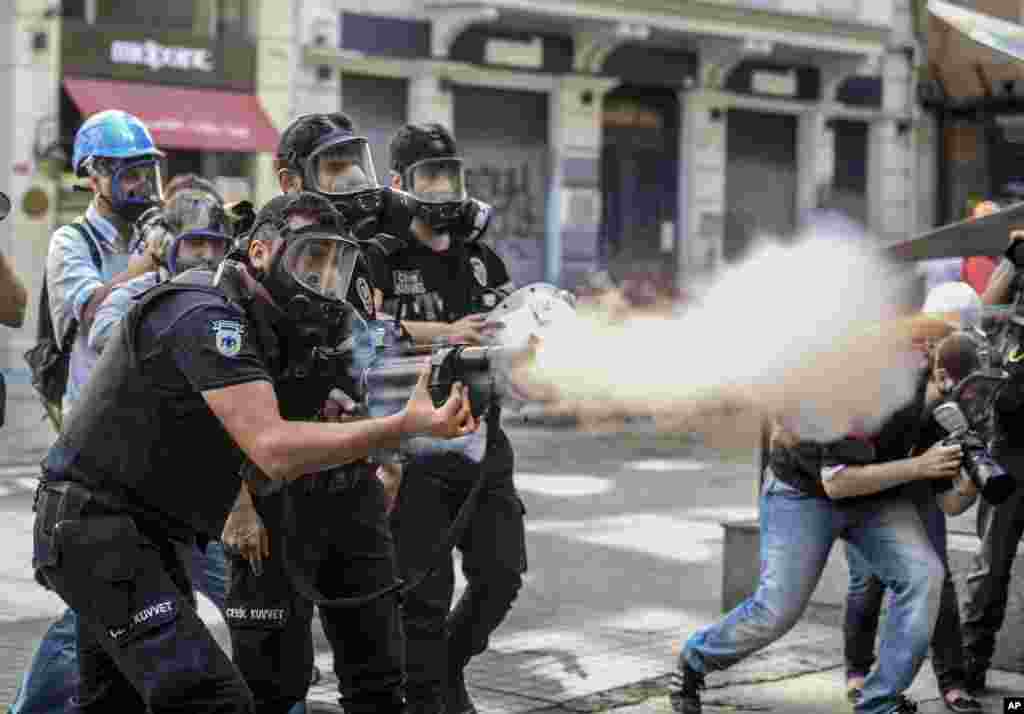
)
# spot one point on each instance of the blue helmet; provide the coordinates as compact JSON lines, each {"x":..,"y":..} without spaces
{"x":112,"y":134}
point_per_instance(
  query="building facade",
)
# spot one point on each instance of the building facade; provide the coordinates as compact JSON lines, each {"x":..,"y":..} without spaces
{"x":646,"y":135}
{"x":193,"y":70}
{"x":976,"y":97}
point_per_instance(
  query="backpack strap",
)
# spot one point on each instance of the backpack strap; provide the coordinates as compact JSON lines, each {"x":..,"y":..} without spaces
{"x":85,"y":229}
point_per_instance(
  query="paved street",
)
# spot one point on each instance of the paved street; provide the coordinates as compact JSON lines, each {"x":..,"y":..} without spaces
{"x":625,"y":553}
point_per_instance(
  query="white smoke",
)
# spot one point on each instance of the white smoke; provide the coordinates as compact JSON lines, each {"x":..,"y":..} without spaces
{"x":796,"y":331}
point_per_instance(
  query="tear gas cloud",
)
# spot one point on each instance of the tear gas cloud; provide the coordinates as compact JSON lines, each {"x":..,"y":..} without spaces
{"x":803,"y":331}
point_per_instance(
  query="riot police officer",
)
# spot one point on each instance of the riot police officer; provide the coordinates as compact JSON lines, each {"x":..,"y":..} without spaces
{"x":193,"y":364}
{"x":323,"y":153}
{"x":333,"y":548}
{"x":436,"y":281}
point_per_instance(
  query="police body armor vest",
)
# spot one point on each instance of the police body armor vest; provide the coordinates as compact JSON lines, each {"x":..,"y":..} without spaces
{"x":395,"y":250}
{"x":161,"y":458}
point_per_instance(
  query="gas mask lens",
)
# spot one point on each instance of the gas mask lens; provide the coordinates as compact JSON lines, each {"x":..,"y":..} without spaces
{"x":200,"y":226}
{"x":138,"y":182}
{"x":200,"y":249}
{"x":341,"y":167}
{"x":437,"y":181}
{"x":322,"y":264}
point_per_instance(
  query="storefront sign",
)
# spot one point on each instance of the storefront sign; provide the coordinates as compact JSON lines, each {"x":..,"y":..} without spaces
{"x":512,"y":53}
{"x":157,"y":56}
{"x":779,"y":84}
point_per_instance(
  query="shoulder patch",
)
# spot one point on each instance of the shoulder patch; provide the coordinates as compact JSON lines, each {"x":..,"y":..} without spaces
{"x":363,"y":289}
{"x":479,"y":270}
{"x":227,"y":335}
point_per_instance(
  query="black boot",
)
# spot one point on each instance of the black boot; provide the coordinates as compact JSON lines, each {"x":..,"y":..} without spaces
{"x":685,"y":690}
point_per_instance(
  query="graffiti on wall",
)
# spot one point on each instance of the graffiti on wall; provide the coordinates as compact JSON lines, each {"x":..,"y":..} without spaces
{"x":517,"y":194}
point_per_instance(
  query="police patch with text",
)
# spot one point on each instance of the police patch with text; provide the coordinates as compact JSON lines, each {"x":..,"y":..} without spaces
{"x":148,"y":618}
{"x":259,"y":617}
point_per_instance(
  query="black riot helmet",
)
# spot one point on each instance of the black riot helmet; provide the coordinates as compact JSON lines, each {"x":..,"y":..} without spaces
{"x":317,"y":274}
{"x":324,"y":150}
{"x":424,"y":155}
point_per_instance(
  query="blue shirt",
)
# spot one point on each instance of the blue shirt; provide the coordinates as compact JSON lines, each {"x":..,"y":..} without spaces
{"x":114,"y":307}
{"x":71,"y":279}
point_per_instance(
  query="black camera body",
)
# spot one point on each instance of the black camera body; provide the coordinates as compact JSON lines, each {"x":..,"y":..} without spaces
{"x":388,"y":381}
{"x":967,"y":417}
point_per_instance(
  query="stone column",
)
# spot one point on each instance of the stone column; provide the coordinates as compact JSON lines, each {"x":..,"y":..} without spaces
{"x":30,"y":81}
{"x":430,"y":99}
{"x":276,"y":67}
{"x":574,"y":195}
{"x":890,"y":165}
{"x":703,"y":155}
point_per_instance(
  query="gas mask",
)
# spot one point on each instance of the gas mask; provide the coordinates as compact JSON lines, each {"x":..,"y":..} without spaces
{"x":135,"y":185}
{"x":312,"y":274}
{"x":341,"y":170}
{"x":438,"y":186}
{"x":200,"y":230}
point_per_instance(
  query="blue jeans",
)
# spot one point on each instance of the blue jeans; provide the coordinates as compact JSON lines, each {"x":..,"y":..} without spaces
{"x":864,"y":603}
{"x":52,"y":678}
{"x":797,"y":533}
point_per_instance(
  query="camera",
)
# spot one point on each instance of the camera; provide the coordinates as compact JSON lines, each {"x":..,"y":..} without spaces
{"x":965,"y":417}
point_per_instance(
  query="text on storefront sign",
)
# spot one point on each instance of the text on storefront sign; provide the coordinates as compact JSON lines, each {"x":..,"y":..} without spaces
{"x":156,"y":56}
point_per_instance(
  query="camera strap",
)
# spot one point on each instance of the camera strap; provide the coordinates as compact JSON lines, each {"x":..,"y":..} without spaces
{"x":305,"y":586}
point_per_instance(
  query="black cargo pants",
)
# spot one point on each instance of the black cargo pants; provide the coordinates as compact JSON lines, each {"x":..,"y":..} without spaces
{"x":141,"y":645}
{"x":493,"y":549}
{"x":343,"y":543}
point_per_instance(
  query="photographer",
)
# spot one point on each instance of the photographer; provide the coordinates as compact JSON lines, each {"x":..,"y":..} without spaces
{"x":1001,"y":527}
{"x":86,"y":259}
{"x":436,"y":281}
{"x":951,"y":359}
{"x":193,"y":364}
{"x":813,"y":494}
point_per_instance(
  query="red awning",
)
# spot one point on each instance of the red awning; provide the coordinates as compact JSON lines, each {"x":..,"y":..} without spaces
{"x":179,"y":118}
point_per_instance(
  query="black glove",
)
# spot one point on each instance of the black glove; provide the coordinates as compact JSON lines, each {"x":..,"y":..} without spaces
{"x":476,"y":219}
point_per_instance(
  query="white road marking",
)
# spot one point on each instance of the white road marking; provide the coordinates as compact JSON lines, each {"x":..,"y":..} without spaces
{"x":568,"y":485}
{"x":672,"y":538}
{"x":31,"y":470}
{"x":664,"y":465}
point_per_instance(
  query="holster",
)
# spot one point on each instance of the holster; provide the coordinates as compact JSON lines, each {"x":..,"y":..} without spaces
{"x":56,"y":504}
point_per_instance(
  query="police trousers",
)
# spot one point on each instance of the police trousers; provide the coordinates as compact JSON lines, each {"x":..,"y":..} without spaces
{"x":342,"y":543}
{"x":141,"y":645}
{"x":493,"y":547}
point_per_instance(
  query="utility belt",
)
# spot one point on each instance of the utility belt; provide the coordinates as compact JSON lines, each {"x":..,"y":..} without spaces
{"x":74,"y":498}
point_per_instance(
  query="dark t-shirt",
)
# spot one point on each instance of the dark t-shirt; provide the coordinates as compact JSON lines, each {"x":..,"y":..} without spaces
{"x":420,"y":284}
{"x":908,"y":430}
